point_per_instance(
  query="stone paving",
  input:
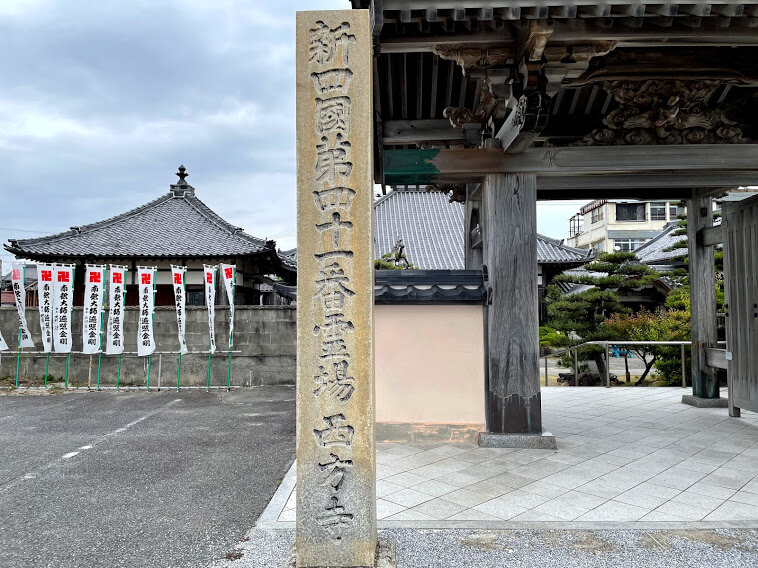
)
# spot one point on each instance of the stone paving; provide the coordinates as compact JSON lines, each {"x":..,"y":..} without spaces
{"x":625,"y":455}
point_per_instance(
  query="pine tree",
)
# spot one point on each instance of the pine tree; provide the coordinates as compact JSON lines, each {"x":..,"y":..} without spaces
{"x":582,"y":314}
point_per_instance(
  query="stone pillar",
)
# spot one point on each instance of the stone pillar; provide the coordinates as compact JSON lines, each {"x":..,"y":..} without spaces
{"x":702,"y":297}
{"x":514,"y":413}
{"x":336,"y":494}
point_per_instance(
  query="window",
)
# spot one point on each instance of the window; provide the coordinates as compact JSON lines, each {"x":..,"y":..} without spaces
{"x":627,"y":245}
{"x":673,"y":212}
{"x":630,"y":211}
{"x":597,"y":247}
{"x":658,"y":211}
{"x":195,"y":297}
{"x":597,"y":214}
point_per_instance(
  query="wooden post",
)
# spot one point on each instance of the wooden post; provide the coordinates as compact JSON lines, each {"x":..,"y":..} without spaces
{"x":702,"y":296}
{"x":510,"y":253}
{"x":607,"y":366}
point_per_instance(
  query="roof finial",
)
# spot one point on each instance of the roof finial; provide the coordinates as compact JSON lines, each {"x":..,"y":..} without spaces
{"x":182,"y":173}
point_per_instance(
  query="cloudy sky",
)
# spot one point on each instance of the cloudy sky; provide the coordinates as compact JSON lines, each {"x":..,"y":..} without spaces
{"x":101,"y":101}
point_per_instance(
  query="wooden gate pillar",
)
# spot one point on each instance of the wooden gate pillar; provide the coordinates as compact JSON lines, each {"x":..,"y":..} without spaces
{"x":702,"y":296}
{"x":513,"y":405}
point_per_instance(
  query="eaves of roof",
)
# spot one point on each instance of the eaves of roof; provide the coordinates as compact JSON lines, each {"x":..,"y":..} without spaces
{"x":428,"y":287}
{"x":654,"y":251}
{"x":551,"y":251}
{"x":168,"y":227}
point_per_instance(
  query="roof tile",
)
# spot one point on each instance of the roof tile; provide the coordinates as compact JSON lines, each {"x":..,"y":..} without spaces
{"x":432,"y":230}
{"x":170,"y":226}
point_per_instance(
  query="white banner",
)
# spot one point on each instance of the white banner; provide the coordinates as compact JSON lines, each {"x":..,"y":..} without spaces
{"x":92,"y":323}
{"x":145,"y":339}
{"x":210,"y":301}
{"x":228,"y":272}
{"x":45,"y":294}
{"x":18,"y":275}
{"x":178,"y":277}
{"x":63,"y":299}
{"x":114,"y":342}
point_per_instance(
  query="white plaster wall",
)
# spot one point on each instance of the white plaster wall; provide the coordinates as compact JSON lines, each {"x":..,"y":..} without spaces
{"x":429,"y":364}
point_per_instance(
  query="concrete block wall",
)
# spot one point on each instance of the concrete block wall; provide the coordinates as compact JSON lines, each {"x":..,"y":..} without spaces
{"x":265,"y":336}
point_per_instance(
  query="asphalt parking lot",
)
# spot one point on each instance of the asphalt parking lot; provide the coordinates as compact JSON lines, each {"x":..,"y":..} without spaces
{"x":138,"y":479}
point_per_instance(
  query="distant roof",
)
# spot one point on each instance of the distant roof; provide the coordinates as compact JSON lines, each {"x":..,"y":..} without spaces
{"x":288,"y":258}
{"x":654,"y":251}
{"x":551,"y":251}
{"x":176,"y":224}
{"x":432,"y":229}
{"x":30,"y":277}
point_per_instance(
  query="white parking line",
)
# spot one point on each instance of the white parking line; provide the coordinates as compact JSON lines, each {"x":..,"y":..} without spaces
{"x":40,"y":470}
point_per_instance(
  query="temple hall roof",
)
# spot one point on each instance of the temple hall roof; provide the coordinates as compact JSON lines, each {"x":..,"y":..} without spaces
{"x":432,"y":231}
{"x":177,"y":224}
{"x":431,"y":228}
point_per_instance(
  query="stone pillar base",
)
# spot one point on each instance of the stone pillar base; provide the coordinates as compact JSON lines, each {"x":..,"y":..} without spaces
{"x":386,"y":556}
{"x":544,"y":441}
{"x":700,"y":402}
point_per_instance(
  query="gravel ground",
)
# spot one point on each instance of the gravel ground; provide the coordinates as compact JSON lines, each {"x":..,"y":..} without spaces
{"x":544,"y":548}
{"x":160,"y":479}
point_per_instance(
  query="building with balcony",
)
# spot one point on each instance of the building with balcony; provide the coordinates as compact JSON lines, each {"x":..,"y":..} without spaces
{"x":609,"y":225}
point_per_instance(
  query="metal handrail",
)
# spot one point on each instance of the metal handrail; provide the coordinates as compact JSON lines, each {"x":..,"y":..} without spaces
{"x":607,"y":344}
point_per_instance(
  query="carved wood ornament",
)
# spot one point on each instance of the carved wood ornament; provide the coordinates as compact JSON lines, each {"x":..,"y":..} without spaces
{"x":456,"y":191}
{"x":488,"y":103}
{"x":474,"y":60}
{"x":664,"y":112}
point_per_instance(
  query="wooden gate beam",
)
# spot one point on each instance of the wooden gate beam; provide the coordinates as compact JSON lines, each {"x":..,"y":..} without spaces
{"x":706,"y":161}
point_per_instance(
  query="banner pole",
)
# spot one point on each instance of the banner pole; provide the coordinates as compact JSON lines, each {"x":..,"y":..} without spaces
{"x":123,"y":306}
{"x":152,"y":319}
{"x":47,"y":366}
{"x":179,"y":364}
{"x":229,"y":370}
{"x":18,"y":355}
{"x":147,"y":383}
{"x":231,"y":333}
{"x":208,"y":377}
{"x":68,"y":354}
{"x":102,"y":329}
{"x":68,"y":357}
